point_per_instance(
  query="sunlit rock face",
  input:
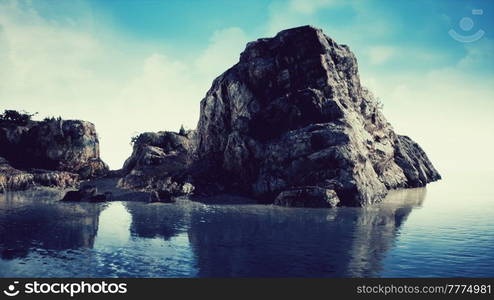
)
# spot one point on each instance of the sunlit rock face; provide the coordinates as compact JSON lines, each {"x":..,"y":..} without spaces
{"x":49,"y":152}
{"x":292,"y":113}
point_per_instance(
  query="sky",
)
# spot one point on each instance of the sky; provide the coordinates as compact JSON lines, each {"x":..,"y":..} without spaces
{"x":132,"y":66}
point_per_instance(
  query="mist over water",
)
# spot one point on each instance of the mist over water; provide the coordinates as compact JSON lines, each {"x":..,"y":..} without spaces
{"x":443,"y":230}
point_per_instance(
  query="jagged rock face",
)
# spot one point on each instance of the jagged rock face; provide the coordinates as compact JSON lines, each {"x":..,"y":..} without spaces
{"x":160,"y":162}
{"x":53,"y":144}
{"x":292,"y":113}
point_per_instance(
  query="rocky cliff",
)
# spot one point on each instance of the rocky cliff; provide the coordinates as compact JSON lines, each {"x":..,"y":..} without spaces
{"x":51,"y":152}
{"x":290,"y":123}
{"x":161,"y":161}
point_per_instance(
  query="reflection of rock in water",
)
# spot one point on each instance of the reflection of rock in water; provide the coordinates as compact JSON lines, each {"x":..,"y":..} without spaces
{"x":271,"y":241}
{"x":155,"y":220}
{"x":32,"y":219}
{"x":376,"y":229}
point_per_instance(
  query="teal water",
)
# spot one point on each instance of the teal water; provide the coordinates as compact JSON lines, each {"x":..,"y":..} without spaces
{"x":444,"y":230}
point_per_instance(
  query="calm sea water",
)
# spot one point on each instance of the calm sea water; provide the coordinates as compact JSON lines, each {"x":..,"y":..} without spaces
{"x":445,"y":230}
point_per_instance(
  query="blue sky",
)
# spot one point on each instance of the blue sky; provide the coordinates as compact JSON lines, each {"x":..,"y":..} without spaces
{"x":183,"y":27}
{"x":131,"y":66}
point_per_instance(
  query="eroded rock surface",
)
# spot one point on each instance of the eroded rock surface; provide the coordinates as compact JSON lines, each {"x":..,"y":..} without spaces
{"x":160,"y":162}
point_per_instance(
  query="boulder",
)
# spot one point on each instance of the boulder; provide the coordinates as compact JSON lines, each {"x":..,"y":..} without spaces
{"x":73,"y":196}
{"x":107,"y":196}
{"x":87,"y":193}
{"x":88,"y":190}
{"x":307,"y":197}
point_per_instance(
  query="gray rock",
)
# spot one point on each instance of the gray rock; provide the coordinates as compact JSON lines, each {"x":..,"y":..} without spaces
{"x":52,"y":144}
{"x":101,"y":197}
{"x":312,"y":196}
{"x":154,"y":197}
{"x":73,"y":196}
{"x":89,"y":190}
{"x":87,"y":193}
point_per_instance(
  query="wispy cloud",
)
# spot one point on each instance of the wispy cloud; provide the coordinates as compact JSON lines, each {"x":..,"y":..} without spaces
{"x":222,"y":52}
{"x":380,"y":54}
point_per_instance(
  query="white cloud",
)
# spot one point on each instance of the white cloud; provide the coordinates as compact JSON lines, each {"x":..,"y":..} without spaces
{"x":371,"y":23}
{"x":223,"y":52}
{"x":380,"y":54}
{"x":447,"y":111}
{"x":309,"y":7}
{"x":121,"y":86}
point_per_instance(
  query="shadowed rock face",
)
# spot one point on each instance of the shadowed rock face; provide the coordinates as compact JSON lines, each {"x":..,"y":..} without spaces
{"x":291,"y":115}
{"x":50,"y":152}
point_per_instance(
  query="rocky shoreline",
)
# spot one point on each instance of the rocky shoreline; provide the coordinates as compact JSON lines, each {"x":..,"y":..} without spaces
{"x":289,"y":124}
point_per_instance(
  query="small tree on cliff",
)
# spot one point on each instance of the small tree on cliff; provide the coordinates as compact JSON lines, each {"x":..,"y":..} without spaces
{"x":16,"y":117}
{"x":182,"y":131}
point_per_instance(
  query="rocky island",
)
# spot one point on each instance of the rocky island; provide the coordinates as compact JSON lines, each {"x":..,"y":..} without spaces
{"x":289,"y":124}
{"x":53,"y":152}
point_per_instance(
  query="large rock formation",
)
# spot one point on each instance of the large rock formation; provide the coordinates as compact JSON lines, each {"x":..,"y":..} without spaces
{"x":292,"y":115}
{"x":51,"y":152}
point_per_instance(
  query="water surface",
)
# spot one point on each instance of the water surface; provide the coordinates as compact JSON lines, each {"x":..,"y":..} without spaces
{"x":444,"y":230}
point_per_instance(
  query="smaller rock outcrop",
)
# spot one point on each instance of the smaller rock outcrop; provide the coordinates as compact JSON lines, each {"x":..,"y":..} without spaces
{"x":160,"y":162}
{"x":52,"y":152}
